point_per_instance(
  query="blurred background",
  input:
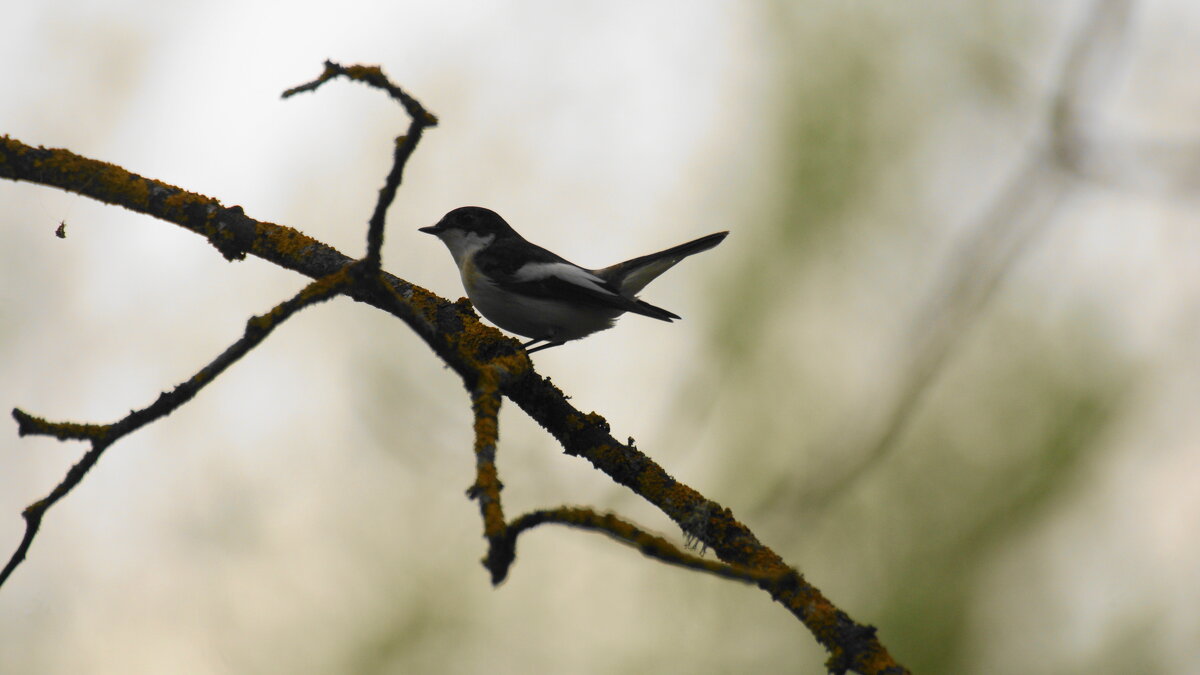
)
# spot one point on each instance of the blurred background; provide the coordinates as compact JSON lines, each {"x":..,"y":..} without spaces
{"x":947,"y":364}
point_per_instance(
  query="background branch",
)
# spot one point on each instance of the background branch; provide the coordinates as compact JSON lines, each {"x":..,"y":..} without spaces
{"x":1016,"y":217}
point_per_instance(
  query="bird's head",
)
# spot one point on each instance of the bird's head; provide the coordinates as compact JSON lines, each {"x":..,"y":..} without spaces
{"x":468,"y":229}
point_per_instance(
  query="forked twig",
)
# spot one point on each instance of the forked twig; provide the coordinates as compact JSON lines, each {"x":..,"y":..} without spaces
{"x":420,"y":118}
{"x":104,"y":435}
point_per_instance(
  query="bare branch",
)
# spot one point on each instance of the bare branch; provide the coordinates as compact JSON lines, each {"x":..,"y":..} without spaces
{"x":405,"y":145}
{"x":104,"y":435}
{"x":227,"y":228}
{"x":485,"y":404}
{"x":653,"y":546}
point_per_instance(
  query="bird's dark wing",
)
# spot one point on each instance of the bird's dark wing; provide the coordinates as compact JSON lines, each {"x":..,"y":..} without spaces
{"x":533,"y":271}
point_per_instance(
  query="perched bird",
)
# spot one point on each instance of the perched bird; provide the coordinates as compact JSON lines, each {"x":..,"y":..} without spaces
{"x":527,"y":290}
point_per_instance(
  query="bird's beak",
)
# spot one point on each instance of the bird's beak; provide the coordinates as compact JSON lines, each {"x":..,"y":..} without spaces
{"x":432,"y":229}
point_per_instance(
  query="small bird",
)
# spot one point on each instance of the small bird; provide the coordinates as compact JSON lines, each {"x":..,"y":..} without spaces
{"x":527,"y":290}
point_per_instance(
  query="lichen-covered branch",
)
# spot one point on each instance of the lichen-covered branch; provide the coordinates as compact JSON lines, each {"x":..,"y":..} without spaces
{"x":485,"y":404}
{"x":652,"y":545}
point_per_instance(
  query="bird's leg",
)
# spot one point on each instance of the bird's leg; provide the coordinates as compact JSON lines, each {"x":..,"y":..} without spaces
{"x":545,"y":346}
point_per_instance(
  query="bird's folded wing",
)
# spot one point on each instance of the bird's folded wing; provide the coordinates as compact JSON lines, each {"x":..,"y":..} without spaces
{"x":568,"y":283}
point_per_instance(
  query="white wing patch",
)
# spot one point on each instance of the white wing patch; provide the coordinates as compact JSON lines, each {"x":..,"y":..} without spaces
{"x":569,"y":273}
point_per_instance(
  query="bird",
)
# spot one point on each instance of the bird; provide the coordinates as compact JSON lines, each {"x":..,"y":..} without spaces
{"x":528,"y":290}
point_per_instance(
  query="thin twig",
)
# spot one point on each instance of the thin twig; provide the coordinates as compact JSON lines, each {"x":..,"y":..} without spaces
{"x":405,"y":145}
{"x":104,"y":435}
{"x":652,"y":545}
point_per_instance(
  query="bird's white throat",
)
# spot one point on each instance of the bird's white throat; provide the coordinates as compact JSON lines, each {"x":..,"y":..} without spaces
{"x":464,"y":245}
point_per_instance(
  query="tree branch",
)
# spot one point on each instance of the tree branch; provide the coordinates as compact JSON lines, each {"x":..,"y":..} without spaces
{"x":485,"y":404}
{"x":653,"y":546}
{"x":405,"y":145}
{"x":104,"y":435}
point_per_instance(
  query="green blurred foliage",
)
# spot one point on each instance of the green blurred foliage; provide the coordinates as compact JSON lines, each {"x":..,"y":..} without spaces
{"x":812,"y":341}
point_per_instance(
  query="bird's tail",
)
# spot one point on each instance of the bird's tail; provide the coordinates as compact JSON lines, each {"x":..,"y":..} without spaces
{"x":632,"y":276}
